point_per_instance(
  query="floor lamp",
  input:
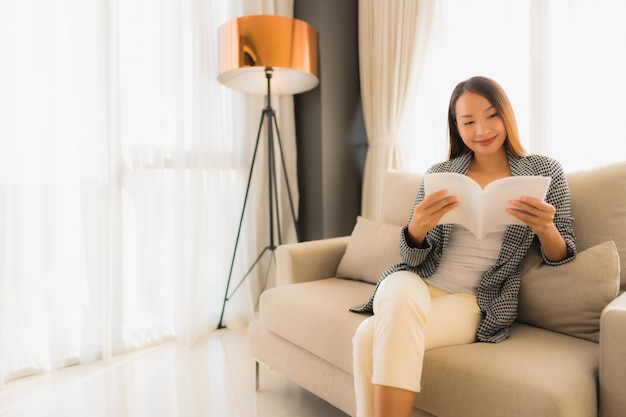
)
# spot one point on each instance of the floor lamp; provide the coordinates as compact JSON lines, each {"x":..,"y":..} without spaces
{"x":268,"y":55}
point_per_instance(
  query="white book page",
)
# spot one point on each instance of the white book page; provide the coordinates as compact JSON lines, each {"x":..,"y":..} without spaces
{"x":497,"y":194}
{"x":481,"y":210}
{"x":465,"y":189}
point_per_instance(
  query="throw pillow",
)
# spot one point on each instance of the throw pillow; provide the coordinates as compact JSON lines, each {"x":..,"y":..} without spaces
{"x":372,"y":248}
{"x":569,"y":298}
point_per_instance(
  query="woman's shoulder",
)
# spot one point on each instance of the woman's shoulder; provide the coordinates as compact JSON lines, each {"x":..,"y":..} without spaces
{"x":459,"y":164}
{"x":540,"y":159}
{"x":535,"y":164}
{"x":438,"y":167}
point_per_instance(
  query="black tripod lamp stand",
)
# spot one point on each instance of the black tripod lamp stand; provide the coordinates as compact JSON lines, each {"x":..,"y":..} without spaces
{"x":267,"y":54}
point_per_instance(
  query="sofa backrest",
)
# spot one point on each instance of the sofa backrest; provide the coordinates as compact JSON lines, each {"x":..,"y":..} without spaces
{"x":599,"y":209}
{"x":598,"y":205}
{"x":398,"y":196}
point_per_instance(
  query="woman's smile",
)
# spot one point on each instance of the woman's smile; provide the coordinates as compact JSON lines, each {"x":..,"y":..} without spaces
{"x":486,"y":142}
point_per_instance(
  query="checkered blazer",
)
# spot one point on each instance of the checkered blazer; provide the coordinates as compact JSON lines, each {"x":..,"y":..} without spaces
{"x":498,"y":289}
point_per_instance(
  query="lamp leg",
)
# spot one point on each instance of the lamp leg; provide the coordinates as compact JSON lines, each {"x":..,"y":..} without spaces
{"x":243,"y":210}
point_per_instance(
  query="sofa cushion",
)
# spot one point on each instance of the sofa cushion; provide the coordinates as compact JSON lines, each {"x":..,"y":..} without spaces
{"x":599,"y":208}
{"x":314,"y":315}
{"x":535,"y":372}
{"x":569,"y":298}
{"x":398,"y":196}
{"x":372,"y":248}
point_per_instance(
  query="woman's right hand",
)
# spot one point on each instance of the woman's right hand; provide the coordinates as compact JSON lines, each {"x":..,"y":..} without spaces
{"x":427,"y":214}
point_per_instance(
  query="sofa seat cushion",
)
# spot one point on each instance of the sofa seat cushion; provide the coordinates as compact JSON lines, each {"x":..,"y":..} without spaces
{"x":535,"y":372}
{"x":314,"y":315}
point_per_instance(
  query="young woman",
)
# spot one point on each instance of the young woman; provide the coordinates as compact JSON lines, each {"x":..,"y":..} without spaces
{"x":452,"y":288}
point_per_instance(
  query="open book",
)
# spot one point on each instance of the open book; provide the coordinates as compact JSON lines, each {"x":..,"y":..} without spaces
{"x":480,"y":210}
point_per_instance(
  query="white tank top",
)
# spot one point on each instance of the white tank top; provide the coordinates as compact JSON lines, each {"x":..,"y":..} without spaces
{"x":466,"y":259}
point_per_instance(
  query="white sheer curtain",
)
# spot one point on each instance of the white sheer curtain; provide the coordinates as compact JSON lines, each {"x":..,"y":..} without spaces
{"x":53,"y":184}
{"x":584,"y":72}
{"x":393,"y":39}
{"x":123,"y":164}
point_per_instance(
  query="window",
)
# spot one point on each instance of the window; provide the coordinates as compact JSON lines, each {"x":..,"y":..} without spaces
{"x":561,"y":63}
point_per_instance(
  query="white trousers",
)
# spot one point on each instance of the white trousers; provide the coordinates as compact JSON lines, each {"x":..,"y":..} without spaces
{"x":409,"y":318}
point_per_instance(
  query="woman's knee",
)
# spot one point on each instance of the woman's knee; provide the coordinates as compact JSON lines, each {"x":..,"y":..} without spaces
{"x":402,"y":289}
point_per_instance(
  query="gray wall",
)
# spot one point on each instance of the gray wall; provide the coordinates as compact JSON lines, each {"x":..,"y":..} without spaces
{"x":330,"y":133}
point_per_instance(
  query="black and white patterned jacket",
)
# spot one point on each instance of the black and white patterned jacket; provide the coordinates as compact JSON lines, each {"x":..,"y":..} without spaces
{"x":498,"y":289}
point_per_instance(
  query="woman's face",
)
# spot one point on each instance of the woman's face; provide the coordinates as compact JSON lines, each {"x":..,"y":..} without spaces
{"x":479,"y":124}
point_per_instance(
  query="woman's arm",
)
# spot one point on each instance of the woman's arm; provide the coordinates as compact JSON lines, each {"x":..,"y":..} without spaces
{"x":551,"y":220}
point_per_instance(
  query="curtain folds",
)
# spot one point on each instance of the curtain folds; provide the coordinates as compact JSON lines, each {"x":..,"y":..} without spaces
{"x":123,"y":166}
{"x":393,"y":39}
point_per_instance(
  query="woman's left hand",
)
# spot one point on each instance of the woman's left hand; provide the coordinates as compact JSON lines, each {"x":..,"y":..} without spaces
{"x":537,"y":214}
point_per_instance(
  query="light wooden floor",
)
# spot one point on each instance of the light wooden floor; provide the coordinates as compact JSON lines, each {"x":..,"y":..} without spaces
{"x":214,"y":378}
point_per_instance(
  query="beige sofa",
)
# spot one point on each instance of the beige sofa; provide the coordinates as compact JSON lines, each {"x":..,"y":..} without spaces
{"x":566,"y":356}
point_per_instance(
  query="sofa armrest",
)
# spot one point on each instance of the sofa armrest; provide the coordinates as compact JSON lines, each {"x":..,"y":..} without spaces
{"x":308,"y":261}
{"x":613,"y":358}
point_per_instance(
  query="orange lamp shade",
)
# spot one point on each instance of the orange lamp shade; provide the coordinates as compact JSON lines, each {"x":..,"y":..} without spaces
{"x":251,"y":44}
